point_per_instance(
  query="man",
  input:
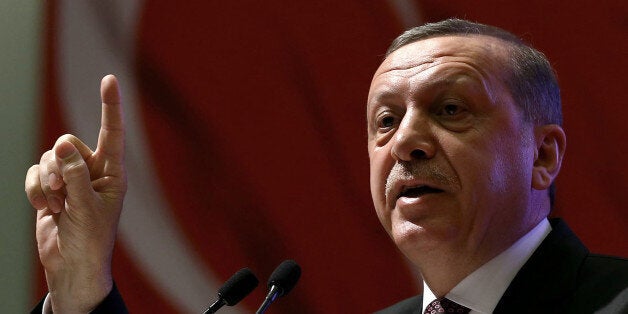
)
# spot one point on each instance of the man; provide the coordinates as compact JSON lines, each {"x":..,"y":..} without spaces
{"x":464,"y":144}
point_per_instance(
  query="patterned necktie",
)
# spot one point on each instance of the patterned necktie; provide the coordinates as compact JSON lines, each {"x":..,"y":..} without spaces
{"x":445,"y":306}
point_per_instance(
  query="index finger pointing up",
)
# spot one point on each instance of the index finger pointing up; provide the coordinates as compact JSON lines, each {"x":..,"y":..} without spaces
{"x":111,"y":137}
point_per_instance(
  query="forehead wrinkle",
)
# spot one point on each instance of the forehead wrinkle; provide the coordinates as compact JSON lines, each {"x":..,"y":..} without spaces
{"x":487,"y":55}
{"x":486,"y":62}
{"x":470,"y":60}
{"x":432,"y":77}
{"x":400,"y":66}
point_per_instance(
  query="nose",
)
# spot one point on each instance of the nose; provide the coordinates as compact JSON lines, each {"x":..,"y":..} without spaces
{"x":413,"y":140}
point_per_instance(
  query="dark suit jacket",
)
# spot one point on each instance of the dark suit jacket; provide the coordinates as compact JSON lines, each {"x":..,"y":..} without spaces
{"x":561,"y":276}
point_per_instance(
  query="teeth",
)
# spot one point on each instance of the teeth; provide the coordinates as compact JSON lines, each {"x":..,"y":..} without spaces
{"x":407,"y":188}
{"x":417,"y":191}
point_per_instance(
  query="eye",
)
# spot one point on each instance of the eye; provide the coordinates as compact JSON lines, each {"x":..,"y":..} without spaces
{"x":387,"y":122}
{"x":451,"y":109}
{"x":454,"y":114}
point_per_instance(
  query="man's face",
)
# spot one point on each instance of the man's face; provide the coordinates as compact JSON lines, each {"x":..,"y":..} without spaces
{"x":450,"y":153}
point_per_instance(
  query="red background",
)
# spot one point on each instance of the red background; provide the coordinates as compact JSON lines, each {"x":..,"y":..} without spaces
{"x":257,"y":111}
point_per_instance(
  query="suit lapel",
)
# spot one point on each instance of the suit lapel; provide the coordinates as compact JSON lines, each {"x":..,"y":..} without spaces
{"x":549,"y":275}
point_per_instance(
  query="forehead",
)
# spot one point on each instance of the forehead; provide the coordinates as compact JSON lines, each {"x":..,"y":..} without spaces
{"x":485,"y":54}
{"x":441,"y":61}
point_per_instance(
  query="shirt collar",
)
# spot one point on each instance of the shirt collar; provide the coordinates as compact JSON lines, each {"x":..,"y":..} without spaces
{"x":481,"y":290}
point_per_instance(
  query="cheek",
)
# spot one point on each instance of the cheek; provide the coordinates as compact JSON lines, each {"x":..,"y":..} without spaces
{"x":514,"y":183}
{"x":512,"y":167}
{"x":380,"y":167}
{"x":493,"y":173}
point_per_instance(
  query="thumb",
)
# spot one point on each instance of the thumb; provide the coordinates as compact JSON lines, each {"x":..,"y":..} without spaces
{"x":75,"y":173}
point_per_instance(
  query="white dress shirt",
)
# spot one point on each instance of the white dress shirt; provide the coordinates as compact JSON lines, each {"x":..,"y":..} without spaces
{"x":482,"y":289}
{"x":47,"y":306}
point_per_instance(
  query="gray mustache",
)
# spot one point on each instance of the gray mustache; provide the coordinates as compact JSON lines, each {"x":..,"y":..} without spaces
{"x":409,"y":170}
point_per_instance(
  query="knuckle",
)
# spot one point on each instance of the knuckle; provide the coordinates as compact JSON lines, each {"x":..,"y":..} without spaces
{"x":73,"y":169}
{"x":72,"y":140}
{"x":32,"y":178}
{"x":66,"y":138}
{"x":31,"y":191}
{"x":46,"y":156}
{"x":32,"y":170}
{"x":35,"y":197}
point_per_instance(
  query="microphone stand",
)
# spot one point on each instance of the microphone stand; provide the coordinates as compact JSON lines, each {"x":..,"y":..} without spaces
{"x":270,"y":298}
{"x":215,"y":306}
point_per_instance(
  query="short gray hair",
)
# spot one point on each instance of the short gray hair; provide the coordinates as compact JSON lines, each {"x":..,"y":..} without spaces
{"x":531,"y":79}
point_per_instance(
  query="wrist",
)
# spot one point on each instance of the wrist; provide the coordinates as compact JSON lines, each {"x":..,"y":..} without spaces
{"x":78,"y":290}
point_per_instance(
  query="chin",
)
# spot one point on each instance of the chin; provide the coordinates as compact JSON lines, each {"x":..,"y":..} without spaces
{"x":410,"y":236}
{"x":414,"y":238}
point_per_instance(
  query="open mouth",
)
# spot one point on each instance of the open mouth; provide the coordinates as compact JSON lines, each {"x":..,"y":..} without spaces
{"x":418,"y":191}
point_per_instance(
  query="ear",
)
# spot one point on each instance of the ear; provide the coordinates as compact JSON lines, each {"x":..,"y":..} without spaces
{"x":550,"y":148}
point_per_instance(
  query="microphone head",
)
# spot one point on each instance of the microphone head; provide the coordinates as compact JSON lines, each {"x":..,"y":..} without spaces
{"x":285,"y":276}
{"x":238,"y":286}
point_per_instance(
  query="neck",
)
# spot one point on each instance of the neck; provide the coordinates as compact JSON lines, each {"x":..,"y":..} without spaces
{"x":446,"y":272}
{"x":446,"y":266}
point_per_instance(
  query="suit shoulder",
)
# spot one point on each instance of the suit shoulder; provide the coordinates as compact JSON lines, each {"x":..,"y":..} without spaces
{"x":408,"y":306}
{"x":606,"y":260}
{"x":602,"y":284}
{"x":602,"y":268}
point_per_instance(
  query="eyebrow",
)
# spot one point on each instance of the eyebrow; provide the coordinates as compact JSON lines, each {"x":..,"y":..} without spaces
{"x":387,"y":93}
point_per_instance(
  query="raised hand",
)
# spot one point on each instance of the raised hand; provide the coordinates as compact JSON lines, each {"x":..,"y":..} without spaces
{"x":78,"y":194}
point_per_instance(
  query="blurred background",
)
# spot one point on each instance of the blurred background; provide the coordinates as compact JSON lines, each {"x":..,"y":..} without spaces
{"x":247,"y":141}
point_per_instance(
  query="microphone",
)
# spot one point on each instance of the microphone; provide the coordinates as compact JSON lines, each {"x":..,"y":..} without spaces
{"x":282,"y":280}
{"x":234,"y":289}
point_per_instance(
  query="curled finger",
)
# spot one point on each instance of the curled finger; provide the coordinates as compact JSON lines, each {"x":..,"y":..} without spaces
{"x":48,"y":171}
{"x":32,"y":187}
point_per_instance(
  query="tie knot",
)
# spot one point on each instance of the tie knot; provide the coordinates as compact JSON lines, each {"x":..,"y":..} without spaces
{"x":445,"y":306}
